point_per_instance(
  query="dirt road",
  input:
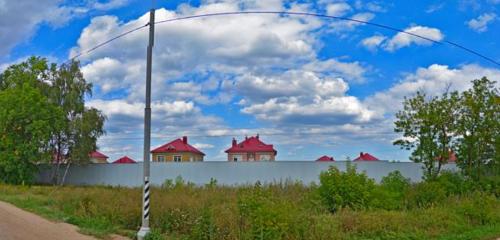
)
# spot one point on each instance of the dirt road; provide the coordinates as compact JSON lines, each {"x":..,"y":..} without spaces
{"x":17,"y":224}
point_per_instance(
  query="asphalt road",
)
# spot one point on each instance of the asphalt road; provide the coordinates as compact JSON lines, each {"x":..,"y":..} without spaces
{"x":17,"y":224}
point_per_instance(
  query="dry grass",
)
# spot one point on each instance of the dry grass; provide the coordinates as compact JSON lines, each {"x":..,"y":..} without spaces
{"x":280,"y":211}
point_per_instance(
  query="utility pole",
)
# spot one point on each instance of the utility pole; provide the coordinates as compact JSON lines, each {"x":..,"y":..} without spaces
{"x":147,"y":129}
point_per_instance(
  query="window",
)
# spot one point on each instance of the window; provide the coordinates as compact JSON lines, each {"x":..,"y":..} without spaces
{"x":236,"y":158}
{"x":160,"y":158}
{"x":177,"y":158}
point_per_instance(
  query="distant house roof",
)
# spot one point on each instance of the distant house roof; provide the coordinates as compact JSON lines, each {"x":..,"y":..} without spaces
{"x":451,"y":156}
{"x":177,"y":145}
{"x":365,"y":157}
{"x":97,"y":154}
{"x":125,"y":159}
{"x":325,"y":159}
{"x":251,"y":144}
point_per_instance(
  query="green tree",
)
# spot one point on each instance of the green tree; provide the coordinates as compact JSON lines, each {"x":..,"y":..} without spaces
{"x":82,"y":126}
{"x":73,"y":138}
{"x":427,"y":126}
{"x":479,"y":129}
{"x":27,"y":121}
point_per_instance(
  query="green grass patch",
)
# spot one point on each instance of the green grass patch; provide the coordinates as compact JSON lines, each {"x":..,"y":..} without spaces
{"x":278,"y":211}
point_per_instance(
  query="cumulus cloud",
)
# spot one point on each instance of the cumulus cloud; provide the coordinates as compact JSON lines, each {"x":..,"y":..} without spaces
{"x":343,"y":26}
{"x":333,"y":110}
{"x":291,"y":83}
{"x":401,"y":40}
{"x":338,"y":9}
{"x":480,"y":24}
{"x":433,"y":80}
{"x":203,"y":145}
{"x":373,"y":42}
{"x":300,"y":97}
{"x":241,"y":44}
{"x":21,"y":18}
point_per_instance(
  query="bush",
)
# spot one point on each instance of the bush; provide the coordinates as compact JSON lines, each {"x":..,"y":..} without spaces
{"x":425,"y":194}
{"x":454,"y":183}
{"x":345,"y":189}
{"x":263,"y":216}
{"x":154,"y":235}
{"x":490,"y":184}
{"x":479,"y":208}
{"x":390,"y":193}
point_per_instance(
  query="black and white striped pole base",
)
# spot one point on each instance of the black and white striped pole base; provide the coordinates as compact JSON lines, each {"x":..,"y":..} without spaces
{"x":145,"y":211}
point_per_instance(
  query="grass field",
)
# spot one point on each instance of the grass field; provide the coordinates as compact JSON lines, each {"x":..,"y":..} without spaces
{"x":279,"y":211}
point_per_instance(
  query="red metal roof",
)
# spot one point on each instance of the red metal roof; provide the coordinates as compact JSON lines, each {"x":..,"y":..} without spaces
{"x":251,"y":144}
{"x":365,"y":157}
{"x":177,"y":145}
{"x":451,"y":157}
{"x":325,"y":159}
{"x":125,"y":159}
{"x":97,"y":154}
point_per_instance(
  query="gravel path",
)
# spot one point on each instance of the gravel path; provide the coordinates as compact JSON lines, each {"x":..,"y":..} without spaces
{"x":17,"y":224}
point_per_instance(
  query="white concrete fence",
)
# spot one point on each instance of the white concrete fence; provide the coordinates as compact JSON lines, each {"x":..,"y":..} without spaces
{"x":226,"y":173}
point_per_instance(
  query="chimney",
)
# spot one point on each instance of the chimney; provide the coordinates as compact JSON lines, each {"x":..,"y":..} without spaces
{"x":185,"y":139}
{"x":234,"y":142}
{"x":361,"y":154}
{"x":246,"y":137}
{"x":257,"y":136}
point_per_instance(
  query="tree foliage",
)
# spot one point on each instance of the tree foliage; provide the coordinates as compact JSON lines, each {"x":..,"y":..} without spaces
{"x":427,"y":126}
{"x":479,"y":129}
{"x":465,"y":123}
{"x":60,"y":92}
{"x":27,"y":120}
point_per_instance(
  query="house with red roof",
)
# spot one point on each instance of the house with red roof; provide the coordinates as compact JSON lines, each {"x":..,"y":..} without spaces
{"x":250,"y":149}
{"x":452,"y":157}
{"x":365,"y":157}
{"x":98,"y":157}
{"x":177,"y":150}
{"x":325,"y":159}
{"x":124,"y":160}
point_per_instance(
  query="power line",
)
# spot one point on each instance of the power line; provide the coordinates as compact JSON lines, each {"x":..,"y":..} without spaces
{"x":291,"y":14}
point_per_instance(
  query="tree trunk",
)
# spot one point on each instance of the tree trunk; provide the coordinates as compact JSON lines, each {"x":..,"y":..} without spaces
{"x":65,"y":173}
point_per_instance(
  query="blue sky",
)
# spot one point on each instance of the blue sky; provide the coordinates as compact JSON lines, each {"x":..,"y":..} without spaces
{"x":310,"y":86}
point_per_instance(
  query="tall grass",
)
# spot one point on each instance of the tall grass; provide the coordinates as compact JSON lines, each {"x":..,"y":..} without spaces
{"x":276,"y":211}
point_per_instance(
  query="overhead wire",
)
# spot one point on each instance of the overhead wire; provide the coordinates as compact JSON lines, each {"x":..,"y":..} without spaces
{"x":454,"y":44}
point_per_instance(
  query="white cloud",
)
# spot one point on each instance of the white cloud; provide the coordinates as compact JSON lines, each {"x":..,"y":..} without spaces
{"x":107,"y":5}
{"x":338,"y":9}
{"x":433,"y":80}
{"x":300,"y":97}
{"x":351,"y":71}
{"x":21,"y":18}
{"x":373,"y":42}
{"x":343,"y":26}
{"x":403,"y":40}
{"x":195,"y":46}
{"x":332,"y":110}
{"x":480,"y":24}
{"x":435,"y":7}
{"x":203,"y":145}
{"x":291,"y":83}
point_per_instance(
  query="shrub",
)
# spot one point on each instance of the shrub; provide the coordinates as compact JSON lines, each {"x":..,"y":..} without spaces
{"x":425,"y":194}
{"x":390,"y":193}
{"x":395,"y":182}
{"x":489,"y":184}
{"x":479,"y":208}
{"x":454,"y":183}
{"x":154,"y":235}
{"x":345,"y":189}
